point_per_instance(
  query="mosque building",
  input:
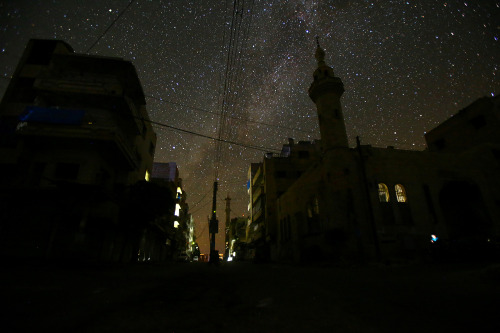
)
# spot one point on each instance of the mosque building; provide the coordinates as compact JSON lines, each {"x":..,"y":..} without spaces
{"x":322,"y":199}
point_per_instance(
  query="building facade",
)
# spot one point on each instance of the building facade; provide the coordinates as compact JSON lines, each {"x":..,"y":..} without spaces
{"x":178,"y":225}
{"x":270,"y":180}
{"x":74,"y":136}
{"x":372,"y":203}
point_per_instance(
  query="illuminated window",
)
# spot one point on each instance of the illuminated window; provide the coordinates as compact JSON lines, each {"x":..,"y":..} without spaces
{"x":309,"y":211}
{"x":383,"y":192}
{"x":176,"y":224}
{"x":177,"y":209}
{"x":316,"y":206}
{"x":400,"y":193}
{"x":146,"y":176}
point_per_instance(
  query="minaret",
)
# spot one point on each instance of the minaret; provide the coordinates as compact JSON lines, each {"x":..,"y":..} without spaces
{"x":325,"y":92}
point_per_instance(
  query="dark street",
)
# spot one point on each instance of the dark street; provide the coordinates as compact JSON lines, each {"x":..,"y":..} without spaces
{"x":248,"y":297}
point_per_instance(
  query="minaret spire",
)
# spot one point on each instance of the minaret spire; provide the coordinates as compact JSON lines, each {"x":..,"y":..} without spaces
{"x":320,"y":54}
{"x":325,"y":92}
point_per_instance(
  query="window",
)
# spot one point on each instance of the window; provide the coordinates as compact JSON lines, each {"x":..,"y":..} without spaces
{"x":316,"y":206}
{"x":383,"y":192}
{"x":313,"y":223}
{"x":309,"y":211}
{"x":400,"y":193}
{"x":177,"y":209}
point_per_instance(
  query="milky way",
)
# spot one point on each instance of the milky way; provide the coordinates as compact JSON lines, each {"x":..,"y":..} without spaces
{"x":406,"y":67}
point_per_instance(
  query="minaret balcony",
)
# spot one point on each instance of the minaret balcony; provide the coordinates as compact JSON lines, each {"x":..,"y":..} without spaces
{"x":324,"y":86}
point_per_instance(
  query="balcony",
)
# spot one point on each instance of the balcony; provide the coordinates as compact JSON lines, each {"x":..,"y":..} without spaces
{"x":80,"y":85}
{"x":92,"y":125}
{"x":256,"y":194}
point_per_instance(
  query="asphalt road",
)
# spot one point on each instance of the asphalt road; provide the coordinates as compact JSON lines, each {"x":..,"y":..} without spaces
{"x":248,"y":297}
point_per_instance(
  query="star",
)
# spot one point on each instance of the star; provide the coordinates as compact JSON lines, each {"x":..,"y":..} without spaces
{"x":406,"y":66}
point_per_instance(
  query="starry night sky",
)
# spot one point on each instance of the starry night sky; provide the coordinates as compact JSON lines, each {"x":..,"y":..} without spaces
{"x":406,"y":67}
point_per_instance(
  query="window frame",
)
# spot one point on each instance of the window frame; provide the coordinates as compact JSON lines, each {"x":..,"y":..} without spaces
{"x":401,"y":195}
{"x":383,"y":190}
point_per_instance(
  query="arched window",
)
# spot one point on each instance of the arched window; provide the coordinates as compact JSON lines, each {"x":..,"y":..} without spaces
{"x":400,"y":193}
{"x":383,"y":192}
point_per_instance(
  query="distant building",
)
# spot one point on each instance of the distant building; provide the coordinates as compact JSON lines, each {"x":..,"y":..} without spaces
{"x":166,"y":171}
{"x":236,"y":235}
{"x":271,"y":179}
{"x":179,"y":225}
{"x":373,"y":203}
{"x":74,"y":135}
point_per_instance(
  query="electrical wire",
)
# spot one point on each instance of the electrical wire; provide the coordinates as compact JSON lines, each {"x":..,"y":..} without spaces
{"x":163,"y":100}
{"x":109,"y":27}
{"x":265,"y":149}
{"x":193,"y":206}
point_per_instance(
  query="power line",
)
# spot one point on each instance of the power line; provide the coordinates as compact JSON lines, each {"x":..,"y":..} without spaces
{"x":193,"y":206}
{"x":201,"y":233}
{"x":232,"y":73}
{"x":163,"y":100}
{"x":200,"y":208}
{"x":223,"y":113}
{"x":109,"y":27}
{"x":264,"y":149}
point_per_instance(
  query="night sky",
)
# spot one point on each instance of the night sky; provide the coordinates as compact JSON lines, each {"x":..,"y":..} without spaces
{"x":406,"y":66}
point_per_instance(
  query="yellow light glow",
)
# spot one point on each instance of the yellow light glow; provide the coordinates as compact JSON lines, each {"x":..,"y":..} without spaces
{"x":176,"y":224}
{"x":146,"y":176}
{"x":400,"y":193}
{"x":383,"y":192}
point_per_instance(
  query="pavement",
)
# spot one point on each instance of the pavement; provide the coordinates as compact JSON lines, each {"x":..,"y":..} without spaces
{"x":250,"y":297}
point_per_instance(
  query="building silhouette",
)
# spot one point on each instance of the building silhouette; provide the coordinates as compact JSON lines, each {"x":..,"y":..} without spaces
{"x":177,"y":227}
{"x":369,"y":203}
{"x":236,"y":238}
{"x":74,"y":139}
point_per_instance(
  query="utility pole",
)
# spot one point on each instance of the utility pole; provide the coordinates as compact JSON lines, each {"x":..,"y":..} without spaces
{"x":228,"y":225}
{"x":213,"y":228}
{"x":368,"y":200}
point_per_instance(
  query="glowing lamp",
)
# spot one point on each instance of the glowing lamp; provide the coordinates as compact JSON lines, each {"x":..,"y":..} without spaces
{"x":434,"y":238}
